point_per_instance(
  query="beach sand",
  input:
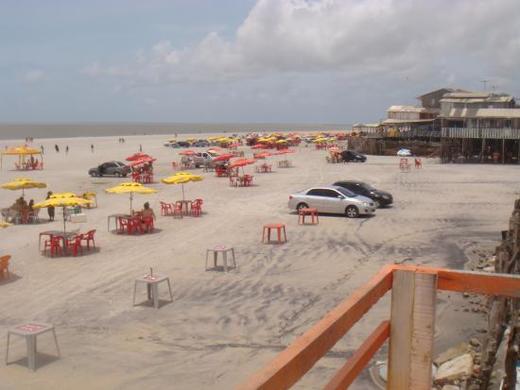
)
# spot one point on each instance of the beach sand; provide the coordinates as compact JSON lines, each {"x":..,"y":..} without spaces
{"x":221,"y":327}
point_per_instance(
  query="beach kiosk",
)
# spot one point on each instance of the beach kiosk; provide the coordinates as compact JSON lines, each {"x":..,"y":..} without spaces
{"x":28,"y":158}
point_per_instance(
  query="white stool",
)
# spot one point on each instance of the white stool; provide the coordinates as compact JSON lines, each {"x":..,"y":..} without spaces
{"x":224,"y":250}
{"x":30,"y":331}
{"x":152,"y":287}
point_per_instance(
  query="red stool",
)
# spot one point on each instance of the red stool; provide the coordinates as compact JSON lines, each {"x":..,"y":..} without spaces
{"x":279,"y":227}
{"x":313,"y":213}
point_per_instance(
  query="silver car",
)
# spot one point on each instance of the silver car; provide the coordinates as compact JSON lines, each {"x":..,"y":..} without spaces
{"x":333,"y":200}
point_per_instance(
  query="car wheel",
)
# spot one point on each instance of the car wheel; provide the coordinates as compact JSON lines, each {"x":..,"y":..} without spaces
{"x":352,"y":212}
{"x":301,"y":206}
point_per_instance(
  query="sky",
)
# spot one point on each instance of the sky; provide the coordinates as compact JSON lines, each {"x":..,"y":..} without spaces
{"x":299,"y":61}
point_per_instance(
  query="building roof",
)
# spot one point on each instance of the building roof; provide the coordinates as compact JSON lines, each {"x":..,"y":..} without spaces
{"x":406,"y":109}
{"x":446,"y":90}
{"x":475,"y":97}
{"x":405,"y":121}
{"x":506,"y":113}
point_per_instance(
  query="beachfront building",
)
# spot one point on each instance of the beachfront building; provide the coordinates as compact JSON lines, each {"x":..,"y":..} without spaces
{"x":410,"y":122}
{"x":479,"y":127}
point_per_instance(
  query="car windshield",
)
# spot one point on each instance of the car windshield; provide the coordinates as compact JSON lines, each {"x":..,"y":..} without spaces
{"x":367,"y":187}
{"x":346,"y":192}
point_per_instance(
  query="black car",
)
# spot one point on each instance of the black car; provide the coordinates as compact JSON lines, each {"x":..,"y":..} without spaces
{"x":111,"y":168}
{"x":360,"y":188}
{"x":350,"y":156}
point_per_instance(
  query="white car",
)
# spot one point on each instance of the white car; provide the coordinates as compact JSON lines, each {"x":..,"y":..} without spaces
{"x":333,"y":200}
{"x":404,"y":152}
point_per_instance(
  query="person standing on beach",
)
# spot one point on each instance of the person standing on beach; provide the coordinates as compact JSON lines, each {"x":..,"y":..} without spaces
{"x":57,"y":148}
{"x":92,"y":148}
{"x":50,"y":210}
{"x":43,"y":151}
{"x":140,"y":147}
{"x":67,"y":149}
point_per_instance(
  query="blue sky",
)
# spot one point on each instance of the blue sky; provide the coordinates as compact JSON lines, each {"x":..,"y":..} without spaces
{"x":245,"y":61}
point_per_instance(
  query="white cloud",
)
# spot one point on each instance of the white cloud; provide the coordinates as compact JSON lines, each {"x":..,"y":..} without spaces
{"x":381,"y":38}
{"x":34,"y":76}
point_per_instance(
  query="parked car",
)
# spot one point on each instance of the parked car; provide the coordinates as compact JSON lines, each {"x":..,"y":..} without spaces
{"x":201,"y":143}
{"x":111,"y":168}
{"x":172,"y":144}
{"x":360,"y":188}
{"x":333,"y":200}
{"x":350,"y":156}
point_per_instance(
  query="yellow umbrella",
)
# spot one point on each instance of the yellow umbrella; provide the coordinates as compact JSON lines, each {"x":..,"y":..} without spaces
{"x":22,"y":183}
{"x":4,"y":224}
{"x":131,"y":188}
{"x":62,"y":201}
{"x":181,"y":178}
{"x":21,"y":152}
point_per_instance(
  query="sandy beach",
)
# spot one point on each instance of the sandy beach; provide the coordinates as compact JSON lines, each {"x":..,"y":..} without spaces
{"x":221,"y":327}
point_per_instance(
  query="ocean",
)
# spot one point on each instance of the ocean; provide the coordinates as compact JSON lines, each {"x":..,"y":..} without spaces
{"x":66,"y":130}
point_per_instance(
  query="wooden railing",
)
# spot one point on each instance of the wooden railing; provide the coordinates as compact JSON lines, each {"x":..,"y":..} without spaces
{"x":410,"y":329}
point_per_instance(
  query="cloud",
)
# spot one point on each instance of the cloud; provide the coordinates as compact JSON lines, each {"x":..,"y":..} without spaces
{"x":440,"y":39}
{"x":33,"y":76}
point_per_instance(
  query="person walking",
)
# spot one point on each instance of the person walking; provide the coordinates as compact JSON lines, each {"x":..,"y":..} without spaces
{"x":57,"y":148}
{"x":92,"y":148}
{"x":67,"y":149}
{"x":50,"y":210}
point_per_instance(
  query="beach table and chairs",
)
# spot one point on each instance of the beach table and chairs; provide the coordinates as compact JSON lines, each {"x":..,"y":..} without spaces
{"x":30,"y":331}
{"x":182,"y":208}
{"x":65,"y":243}
{"x":132,"y":224}
{"x":284,"y":164}
{"x":263,"y":168}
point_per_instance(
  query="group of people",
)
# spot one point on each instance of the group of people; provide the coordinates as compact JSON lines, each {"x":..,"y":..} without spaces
{"x":121,"y":140}
{"x":21,"y":211}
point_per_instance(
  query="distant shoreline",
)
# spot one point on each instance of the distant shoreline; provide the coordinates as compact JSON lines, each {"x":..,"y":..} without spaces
{"x":11,"y":131}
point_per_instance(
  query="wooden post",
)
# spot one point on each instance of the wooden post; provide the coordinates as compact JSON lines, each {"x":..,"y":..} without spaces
{"x":412,"y":330}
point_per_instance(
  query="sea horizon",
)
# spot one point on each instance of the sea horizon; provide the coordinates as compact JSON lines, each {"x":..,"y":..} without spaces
{"x":18,"y":130}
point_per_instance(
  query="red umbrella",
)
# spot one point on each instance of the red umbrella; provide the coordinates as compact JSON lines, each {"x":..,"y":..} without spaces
{"x":187,"y":152}
{"x":144,"y":160}
{"x":223,"y":157}
{"x":262,"y":155}
{"x":137,"y":156}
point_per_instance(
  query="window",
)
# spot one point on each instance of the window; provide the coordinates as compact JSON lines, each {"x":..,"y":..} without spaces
{"x":316,"y":192}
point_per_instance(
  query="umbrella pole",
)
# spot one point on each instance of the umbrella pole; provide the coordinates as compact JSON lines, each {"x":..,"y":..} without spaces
{"x":182,"y":184}
{"x":131,"y":198}
{"x":64,"y":221}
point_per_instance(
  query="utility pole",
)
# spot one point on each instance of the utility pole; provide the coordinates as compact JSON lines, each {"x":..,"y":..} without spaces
{"x":484,"y":83}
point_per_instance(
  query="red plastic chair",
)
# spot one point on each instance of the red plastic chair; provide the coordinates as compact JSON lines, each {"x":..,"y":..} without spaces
{"x":177,"y":210}
{"x":196,"y":208}
{"x":166,"y":209}
{"x":74,"y":244}
{"x":53,"y":245}
{"x":88,"y":237}
{"x":125,"y":226}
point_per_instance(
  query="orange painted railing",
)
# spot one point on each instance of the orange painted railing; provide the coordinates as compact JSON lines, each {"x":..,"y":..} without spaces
{"x":299,"y":357}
